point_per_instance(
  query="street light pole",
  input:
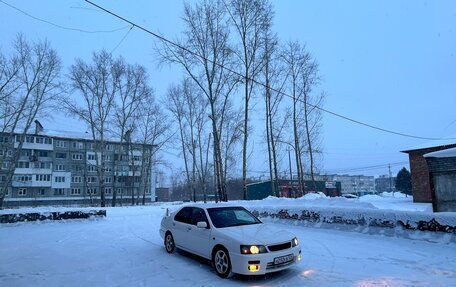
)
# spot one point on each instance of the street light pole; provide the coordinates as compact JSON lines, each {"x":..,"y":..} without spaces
{"x":291,"y":174}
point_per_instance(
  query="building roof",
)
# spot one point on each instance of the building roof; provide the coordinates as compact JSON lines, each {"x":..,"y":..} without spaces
{"x":450,"y":152}
{"x":450,"y":141}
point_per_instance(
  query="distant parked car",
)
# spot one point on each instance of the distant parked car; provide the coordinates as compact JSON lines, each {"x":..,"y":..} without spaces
{"x":349,"y":195}
{"x":231,"y":237}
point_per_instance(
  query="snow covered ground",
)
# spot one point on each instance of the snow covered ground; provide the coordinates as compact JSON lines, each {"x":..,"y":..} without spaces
{"x":125,"y":249}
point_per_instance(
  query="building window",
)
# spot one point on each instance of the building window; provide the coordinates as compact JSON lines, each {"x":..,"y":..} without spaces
{"x":108,"y":179}
{"x":91,"y":168}
{"x":22,"y":178}
{"x":40,"y":140}
{"x":78,"y":145}
{"x":2,"y":178}
{"x":108,"y":169}
{"x":59,"y":191}
{"x":107,"y":157}
{"x":59,"y":143}
{"x":5,"y":165}
{"x":42,"y":191}
{"x":77,"y":156}
{"x":47,"y":140}
{"x":59,"y":179}
{"x":91,"y":191}
{"x":91,"y":156}
{"x":25,"y":153}
{"x":23,"y":164}
{"x":119,"y":191}
{"x":75,"y":191}
{"x":59,"y":167}
{"x":78,"y":167}
{"x":43,"y":177}
{"x":43,"y":154}
{"x":43,"y":164}
{"x":22,"y":192}
{"x":91,"y":179}
{"x":108,"y":190}
{"x":29,"y":139}
{"x":109,"y":147}
{"x":60,"y":155}
{"x":76,"y":179}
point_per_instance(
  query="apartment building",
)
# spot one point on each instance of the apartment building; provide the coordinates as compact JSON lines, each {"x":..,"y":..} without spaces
{"x":352,"y":184}
{"x":62,"y":169}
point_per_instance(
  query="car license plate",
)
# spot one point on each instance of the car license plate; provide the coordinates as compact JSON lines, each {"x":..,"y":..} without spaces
{"x":283,"y":259}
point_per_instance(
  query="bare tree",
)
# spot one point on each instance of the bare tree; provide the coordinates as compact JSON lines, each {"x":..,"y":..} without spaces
{"x":154,"y":132}
{"x":189,"y":109}
{"x":232,"y":135}
{"x":303,"y":77}
{"x":98,"y":84}
{"x":133,"y":92}
{"x":29,"y":81}
{"x":275,"y":78}
{"x":250,"y":19}
{"x":204,"y":57}
{"x":176,"y":104}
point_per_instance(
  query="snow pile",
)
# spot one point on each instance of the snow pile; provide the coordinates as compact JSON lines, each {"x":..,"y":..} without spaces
{"x":386,"y":211}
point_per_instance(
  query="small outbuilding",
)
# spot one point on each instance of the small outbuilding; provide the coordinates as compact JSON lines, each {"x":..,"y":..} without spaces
{"x":442,"y":169}
{"x":425,"y":168}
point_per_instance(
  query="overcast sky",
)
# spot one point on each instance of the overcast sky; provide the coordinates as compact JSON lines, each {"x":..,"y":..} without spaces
{"x":390,"y":64}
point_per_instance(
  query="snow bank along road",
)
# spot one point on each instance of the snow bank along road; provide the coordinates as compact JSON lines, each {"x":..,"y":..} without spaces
{"x":125,"y":249}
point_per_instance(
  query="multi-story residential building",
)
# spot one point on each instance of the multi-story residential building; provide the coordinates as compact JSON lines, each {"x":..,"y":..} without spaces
{"x":59,"y":169}
{"x":384,"y":183}
{"x":352,"y":184}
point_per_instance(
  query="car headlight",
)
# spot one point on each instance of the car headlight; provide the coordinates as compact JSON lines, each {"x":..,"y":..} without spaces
{"x":253,"y":249}
{"x":294,"y":242}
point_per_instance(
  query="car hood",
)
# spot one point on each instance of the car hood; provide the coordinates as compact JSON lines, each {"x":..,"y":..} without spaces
{"x":257,"y":234}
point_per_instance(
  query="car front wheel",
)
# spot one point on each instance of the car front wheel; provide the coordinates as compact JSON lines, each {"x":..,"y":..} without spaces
{"x":222,"y":263}
{"x":169,"y":243}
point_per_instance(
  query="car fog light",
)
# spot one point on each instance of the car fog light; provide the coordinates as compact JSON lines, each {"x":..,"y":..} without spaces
{"x":254,"y":268}
{"x":299,"y":257}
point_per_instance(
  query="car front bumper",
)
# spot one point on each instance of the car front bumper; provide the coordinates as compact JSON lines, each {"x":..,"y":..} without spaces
{"x":259,"y":264}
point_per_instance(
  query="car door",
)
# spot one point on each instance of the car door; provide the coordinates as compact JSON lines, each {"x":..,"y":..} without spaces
{"x":181,"y":225}
{"x":199,"y":238}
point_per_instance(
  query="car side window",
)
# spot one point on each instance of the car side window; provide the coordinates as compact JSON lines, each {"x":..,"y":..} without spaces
{"x":184,"y":215}
{"x":198,"y":215}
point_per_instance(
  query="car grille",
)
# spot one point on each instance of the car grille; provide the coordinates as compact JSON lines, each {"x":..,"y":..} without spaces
{"x":278,"y":247}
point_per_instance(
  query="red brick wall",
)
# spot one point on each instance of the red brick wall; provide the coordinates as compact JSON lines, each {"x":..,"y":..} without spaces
{"x":421,"y":184}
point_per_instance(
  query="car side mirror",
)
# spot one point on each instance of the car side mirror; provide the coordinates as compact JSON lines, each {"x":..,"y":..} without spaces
{"x":201,"y":224}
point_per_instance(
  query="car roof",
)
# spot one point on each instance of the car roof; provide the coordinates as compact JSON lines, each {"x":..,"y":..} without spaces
{"x":212,"y":205}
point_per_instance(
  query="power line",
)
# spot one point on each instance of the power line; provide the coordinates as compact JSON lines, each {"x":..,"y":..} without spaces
{"x":121,"y":40}
{"x":367,"y":168}
{"x":60,"y":26}
{"x":162,"y":38}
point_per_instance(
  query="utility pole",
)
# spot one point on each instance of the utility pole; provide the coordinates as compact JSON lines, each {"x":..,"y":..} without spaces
{"x":389,"y":172}
{"x":291,"y":174}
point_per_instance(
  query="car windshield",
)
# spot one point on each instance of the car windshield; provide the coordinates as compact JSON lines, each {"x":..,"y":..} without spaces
{"x":231,"y":216}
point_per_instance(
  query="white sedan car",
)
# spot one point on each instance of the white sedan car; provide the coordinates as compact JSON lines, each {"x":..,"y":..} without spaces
{"x":231,"y":237}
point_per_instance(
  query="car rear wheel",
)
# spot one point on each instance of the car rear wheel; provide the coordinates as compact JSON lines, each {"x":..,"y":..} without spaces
{"x":169,"y":243}
{"x":222,"y":263}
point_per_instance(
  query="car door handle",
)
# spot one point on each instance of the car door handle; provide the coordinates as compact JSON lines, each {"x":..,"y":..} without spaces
{"x":189,"y":228}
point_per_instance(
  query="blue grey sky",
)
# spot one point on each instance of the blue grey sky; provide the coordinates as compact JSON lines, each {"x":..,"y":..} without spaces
{"x":390,"y":64}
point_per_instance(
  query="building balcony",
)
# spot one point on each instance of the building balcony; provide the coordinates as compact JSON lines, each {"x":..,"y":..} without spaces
{"x":35,"y":146}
